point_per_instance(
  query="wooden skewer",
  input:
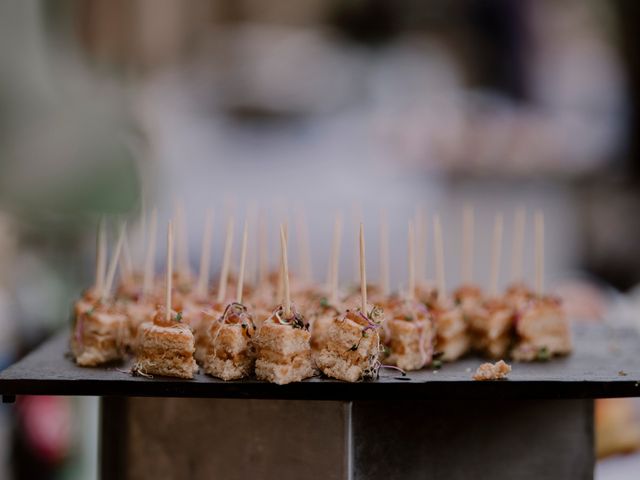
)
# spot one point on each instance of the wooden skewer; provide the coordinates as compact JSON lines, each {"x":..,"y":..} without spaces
{"x":263,"y":252}
{"x":205,"y":255}
{"x":384,"y":253}
{"x":182,"y":241}
{"x":363,"y":273}
{"x":101,"y":256}
{"x":147,"y":282}
{"x":111,"y":273}
{"x":334,"y":268}
{"x":439,"y":254}
{"x":285,"y":273}
{"x":252,"y":250}
{"x":420,"y":245}
{"x":467,"y":244}
{"x":243,"y":260}
{"x":126,"y":265}
{"x":226,"y":262}
{"x":356,"y":211}
{"x":304,"y":252}
{"x":280,"y":291}
{"x":142,"y":235}
{"x":496,"y":255}
{"x":169,"y":279}
{"x":517,"y":250}
{"x":539,"y":252}
{"x":411,"y":254}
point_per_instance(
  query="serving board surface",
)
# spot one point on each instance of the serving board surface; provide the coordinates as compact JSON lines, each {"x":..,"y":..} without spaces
{"x":605,"y":363}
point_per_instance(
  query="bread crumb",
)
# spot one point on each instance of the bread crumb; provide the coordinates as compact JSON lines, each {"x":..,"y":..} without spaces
{"x":492,"y":371}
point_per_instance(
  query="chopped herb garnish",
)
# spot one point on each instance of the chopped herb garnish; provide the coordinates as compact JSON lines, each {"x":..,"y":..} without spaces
{"x":324,"y":302}
{"x":436,"y":364}
{"x":543,"y":354}
{"x":90,"y":311}
{"x":408,"y":318}
{"x":179,"y":317}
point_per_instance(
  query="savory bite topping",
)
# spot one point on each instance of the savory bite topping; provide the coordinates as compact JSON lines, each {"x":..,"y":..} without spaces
{"x":295,"y":319}
{"x":237,"y":314}
{"x":492,"y":371}
{"x":160,"y":317}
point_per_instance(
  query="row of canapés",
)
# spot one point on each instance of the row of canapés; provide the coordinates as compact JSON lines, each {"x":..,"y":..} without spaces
{"x":175,"y":323}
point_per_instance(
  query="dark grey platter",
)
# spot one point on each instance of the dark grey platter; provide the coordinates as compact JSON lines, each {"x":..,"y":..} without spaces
{"x":605,"y":363}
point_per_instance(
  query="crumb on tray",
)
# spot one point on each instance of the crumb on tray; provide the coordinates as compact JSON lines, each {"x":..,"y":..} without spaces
{"x":492,"y":371}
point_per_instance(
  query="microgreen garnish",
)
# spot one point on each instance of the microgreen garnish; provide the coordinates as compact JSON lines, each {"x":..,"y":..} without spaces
{"x":543,"y":354}
{"x":295,"y":321}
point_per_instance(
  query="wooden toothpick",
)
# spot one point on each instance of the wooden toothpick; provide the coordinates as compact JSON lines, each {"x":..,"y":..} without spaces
{"x":467,"y":244}
{"x":420,"y":245}
{"x":496,"y":255}
{"x":517,"y":250}
{"x":126,"y":266}
{"x":439,"y":254}
{"x":169,"y":279}
{"x":263,"y":252}
{"x":182,"y":241}
{"x":411,"y":257}
{"x":334,"y":268}
{"x":243,"y":260}
{"x":226,"y":262}
{"x":285,"y":273}
{"x":356,"y":212}
{"x":539,"y":252}
{"x":149,"y":263}
{"x":304,"y":249}
{"x":363,"y":273}
{"x":205,"y":255}
{"x":111,"y":273}
{"x":101,"y":256}
{"x":384,"y":253}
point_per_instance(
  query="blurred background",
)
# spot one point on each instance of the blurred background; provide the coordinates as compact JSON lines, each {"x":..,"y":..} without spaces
{"x":301,"y":109}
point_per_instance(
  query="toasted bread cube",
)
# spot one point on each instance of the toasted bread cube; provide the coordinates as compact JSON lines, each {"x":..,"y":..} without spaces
{"x":410,"y":335}
{"x":283,"y":353}
{"x":468,"y":298}
{"x":208,"y":320}
{"x":452,"y":337}
{"x":165,"y":350}
{"x":542,"y":331}
{"x":320,"y":331}
{"x":98,"y":336}
{"x":351,"y":350}
{"x":491,"y":326}
{"x":453,"y":348}
{"x":230,"y":353}
{"x":449,"y":323}
{"x":411,"y":343}
{"x":137,"y":313}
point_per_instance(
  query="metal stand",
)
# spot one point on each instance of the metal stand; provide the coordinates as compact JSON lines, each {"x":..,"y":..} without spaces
{"x":201,"y":438}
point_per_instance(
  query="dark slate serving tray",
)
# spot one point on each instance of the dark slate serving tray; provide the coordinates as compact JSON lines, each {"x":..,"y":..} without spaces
{"x":605,"y":363}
